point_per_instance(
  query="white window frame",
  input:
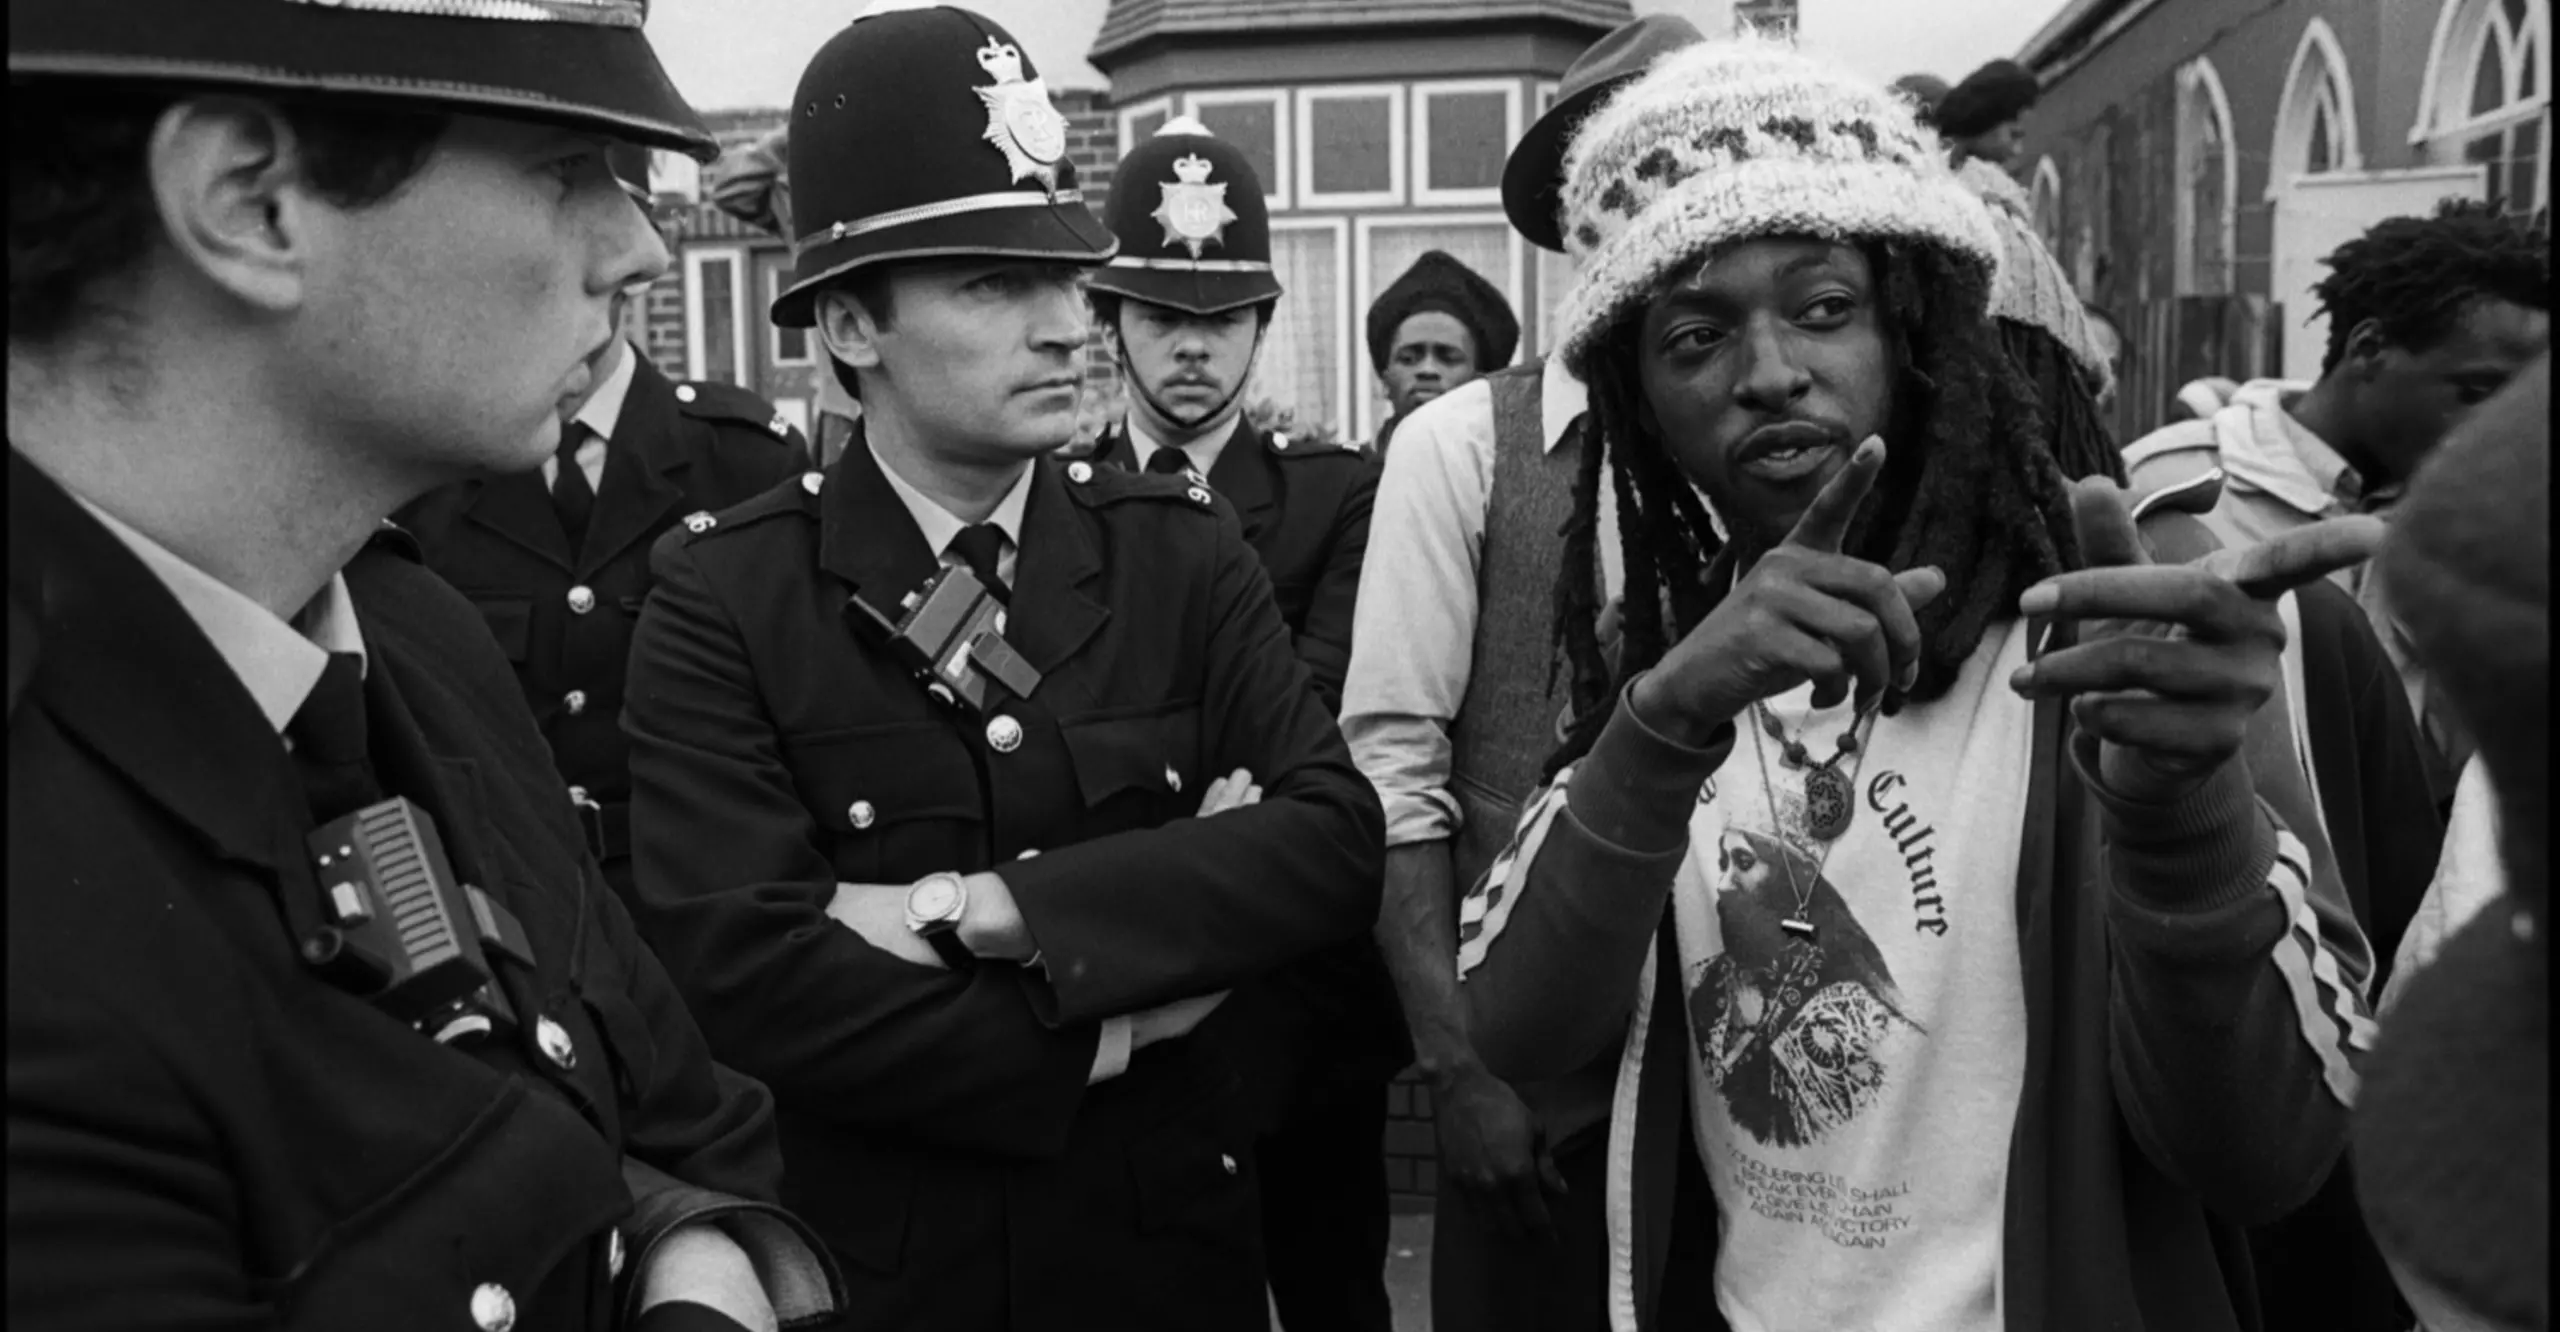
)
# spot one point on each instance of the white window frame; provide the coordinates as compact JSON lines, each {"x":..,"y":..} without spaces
{"x":1513,"y":283}
{"x":2196,"y":73}
{"x":775,"y":279}
{"x":1130,"y":115}
{"x":1275,"y":193}
{"x":2444,"y":93}
{"x":1346,"y":319}
{"x":2046,"y":183}
{"x":696,"y":346}
{"x":1423,"y":194}
{"x":2319,"y":64}
{"x":1307,"y":194}
{"x":1547,"y":91}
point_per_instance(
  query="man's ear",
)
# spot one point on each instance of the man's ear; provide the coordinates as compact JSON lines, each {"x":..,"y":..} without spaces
{"x":848,"y":330}
{"x":226,"y":175}
{"x":2365,"y":346}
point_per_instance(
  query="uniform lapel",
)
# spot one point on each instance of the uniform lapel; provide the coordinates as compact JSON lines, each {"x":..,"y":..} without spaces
{"x":1249,"y":477}
{"x":124,"y":668}
{"x":519,"y":509}
{"x":643,"y":462}
{"x":1054,"y":612}
{"x":866,"y":536}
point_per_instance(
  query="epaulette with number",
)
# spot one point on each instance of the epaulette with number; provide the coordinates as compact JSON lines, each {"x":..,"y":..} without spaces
{"x":708,"y":401}
{"x":1281,"y":445}
{"x":1097,"y":485}
{"x":799,"y":495}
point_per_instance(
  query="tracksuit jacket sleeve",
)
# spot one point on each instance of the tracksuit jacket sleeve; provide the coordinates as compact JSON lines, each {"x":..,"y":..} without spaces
{"x":734,"y":890}
{"x":1551,"y":940}
{"x":1135,"y":919}
{"x":2236,"y":1005}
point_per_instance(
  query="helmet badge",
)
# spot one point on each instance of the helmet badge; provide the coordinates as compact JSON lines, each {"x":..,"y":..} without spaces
{"x":1020,"y":121}
{"x":1194,"y":211}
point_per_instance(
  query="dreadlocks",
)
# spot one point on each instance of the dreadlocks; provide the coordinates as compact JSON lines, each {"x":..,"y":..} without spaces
{"x":2082,"y":444}
{"x":2416,"y":274}
{"x":1969,"y":486}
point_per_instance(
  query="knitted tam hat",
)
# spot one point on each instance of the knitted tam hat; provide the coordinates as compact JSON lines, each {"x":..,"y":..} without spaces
{"x":2000,"y":91}
{"x":1726,"y":142}
{"x":2453,"y":1126}
{"x":1438,"y":281}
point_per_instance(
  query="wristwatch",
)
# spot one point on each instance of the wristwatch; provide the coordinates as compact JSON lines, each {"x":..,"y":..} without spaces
{"x":934,"y":906}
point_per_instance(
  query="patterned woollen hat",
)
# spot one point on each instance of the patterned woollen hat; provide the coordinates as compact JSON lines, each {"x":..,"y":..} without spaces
{"x":1731,"y":141}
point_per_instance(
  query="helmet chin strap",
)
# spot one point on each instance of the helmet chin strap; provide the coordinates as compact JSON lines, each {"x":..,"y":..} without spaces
{"x":1138,"y":385}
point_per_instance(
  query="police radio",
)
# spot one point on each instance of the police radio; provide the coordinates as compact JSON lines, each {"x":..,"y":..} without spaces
{"x":950,"y":632}
{"x":401,"y":931}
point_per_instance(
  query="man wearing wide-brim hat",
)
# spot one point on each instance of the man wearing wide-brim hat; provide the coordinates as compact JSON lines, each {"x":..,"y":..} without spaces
{"x":967,"y":780}
{"x":1450,"y":709}
{"x":320,"y":1013}
{"x":1185,"y":304}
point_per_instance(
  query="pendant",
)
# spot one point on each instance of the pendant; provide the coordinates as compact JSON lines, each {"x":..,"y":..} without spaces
{"x":1828,"y":802}
{"x":1800,"y":928}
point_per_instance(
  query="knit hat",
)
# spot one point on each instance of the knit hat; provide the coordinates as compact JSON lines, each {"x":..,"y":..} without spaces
{"x":1999,"y":92}
{"x":1731,"y":141}
{"x":2453,"y":1128}
{"x":2031,"y":287}
{"x":1439,"y":282}
{"x":1925,"y":92}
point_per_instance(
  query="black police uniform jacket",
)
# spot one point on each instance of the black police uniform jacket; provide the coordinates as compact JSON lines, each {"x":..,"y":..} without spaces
{"x":940,"y":1130}
{"x":1305,"y":511}
{"x":205,"y":1134}
{"x":677,"y":450}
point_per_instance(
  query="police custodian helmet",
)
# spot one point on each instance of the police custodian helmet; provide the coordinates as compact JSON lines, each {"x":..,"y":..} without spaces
{"x":582,"y":63}
{"x":925,"y":131}
{"x":1194,"y":231}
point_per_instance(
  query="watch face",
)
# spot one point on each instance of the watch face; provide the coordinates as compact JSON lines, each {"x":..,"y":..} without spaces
{"x":934,"y":899}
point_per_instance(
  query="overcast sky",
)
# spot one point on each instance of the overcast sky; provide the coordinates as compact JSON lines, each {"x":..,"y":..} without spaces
{"x":749,"y":53}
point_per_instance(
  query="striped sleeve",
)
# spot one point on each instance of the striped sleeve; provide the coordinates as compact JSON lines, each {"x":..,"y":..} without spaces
{"x":1489,"y":901}
{"x":2327,"y":993}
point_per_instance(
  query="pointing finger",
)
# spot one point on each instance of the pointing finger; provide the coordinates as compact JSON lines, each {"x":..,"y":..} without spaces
{"x":2300,"y":557}
{"x":1826,"y":523}
{"x":2105,"y":525}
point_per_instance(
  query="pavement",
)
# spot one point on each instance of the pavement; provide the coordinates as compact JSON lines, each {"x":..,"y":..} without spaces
{"x":1408,"y":1272}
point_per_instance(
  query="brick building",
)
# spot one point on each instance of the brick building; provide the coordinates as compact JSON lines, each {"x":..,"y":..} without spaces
{"x":2191,"y":160}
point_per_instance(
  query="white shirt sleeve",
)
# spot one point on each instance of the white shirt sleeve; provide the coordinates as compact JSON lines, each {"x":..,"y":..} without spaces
{"x":1413,"y":632}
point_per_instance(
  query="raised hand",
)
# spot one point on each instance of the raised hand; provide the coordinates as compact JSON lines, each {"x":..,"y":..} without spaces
{"x":2173,"y":658}
{"x":1804,"y":612}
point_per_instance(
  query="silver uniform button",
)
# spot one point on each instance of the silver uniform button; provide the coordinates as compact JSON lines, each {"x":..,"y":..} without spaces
{"x":493,"y":1309}
{"x":555,"y":1043}
{"x":576,"y":702}
{"x":861,"y":814}
{"x":1079,"y":472}
{"x":581,"y":599}
{"x":813,"y":482}
{"x":684,"y":393}
{"x":1227,"y":1162}
{"x":1278,"y":440}
{"x":1172,"y":779}
{"x":1005,"y":734}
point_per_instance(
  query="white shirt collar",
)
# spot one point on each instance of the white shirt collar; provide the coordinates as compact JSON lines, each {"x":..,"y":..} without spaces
{"x":938,"y":523}
{"x":1561,"y":397}
{"x":1203,"y":453}
{"x":603,"y":409}
{"x":278,"y":662}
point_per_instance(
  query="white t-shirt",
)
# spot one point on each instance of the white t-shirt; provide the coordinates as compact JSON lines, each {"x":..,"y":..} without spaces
{"x":1855,"y":1091}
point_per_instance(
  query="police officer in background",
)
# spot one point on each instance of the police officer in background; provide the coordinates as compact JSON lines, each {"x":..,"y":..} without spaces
{"x":319,"y":1016}
{"x":557,"y":560}
{"x":945,"y":761}
{"x":1186,"y":303}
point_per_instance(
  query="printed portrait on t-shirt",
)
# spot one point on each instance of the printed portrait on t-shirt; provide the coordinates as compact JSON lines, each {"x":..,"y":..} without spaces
{"x":1792,"y":1027}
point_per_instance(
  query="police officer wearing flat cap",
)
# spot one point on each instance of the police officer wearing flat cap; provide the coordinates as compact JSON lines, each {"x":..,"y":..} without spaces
{"x":320,"y":1015}
{"x":1186,"y":303}
{"x":967,"y":779}
{"x":558,"y":559}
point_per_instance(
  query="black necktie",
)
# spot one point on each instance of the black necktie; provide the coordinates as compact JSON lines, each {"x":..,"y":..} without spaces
{"x":329,"y":742}
{"x":1168,"y":462}
{"x":978,"y":547}
{"x":570,"y":494}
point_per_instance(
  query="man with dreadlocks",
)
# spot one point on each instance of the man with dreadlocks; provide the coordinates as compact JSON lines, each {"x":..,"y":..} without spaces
{"x":2428,"y":316}
{"x":1856,"y":877}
